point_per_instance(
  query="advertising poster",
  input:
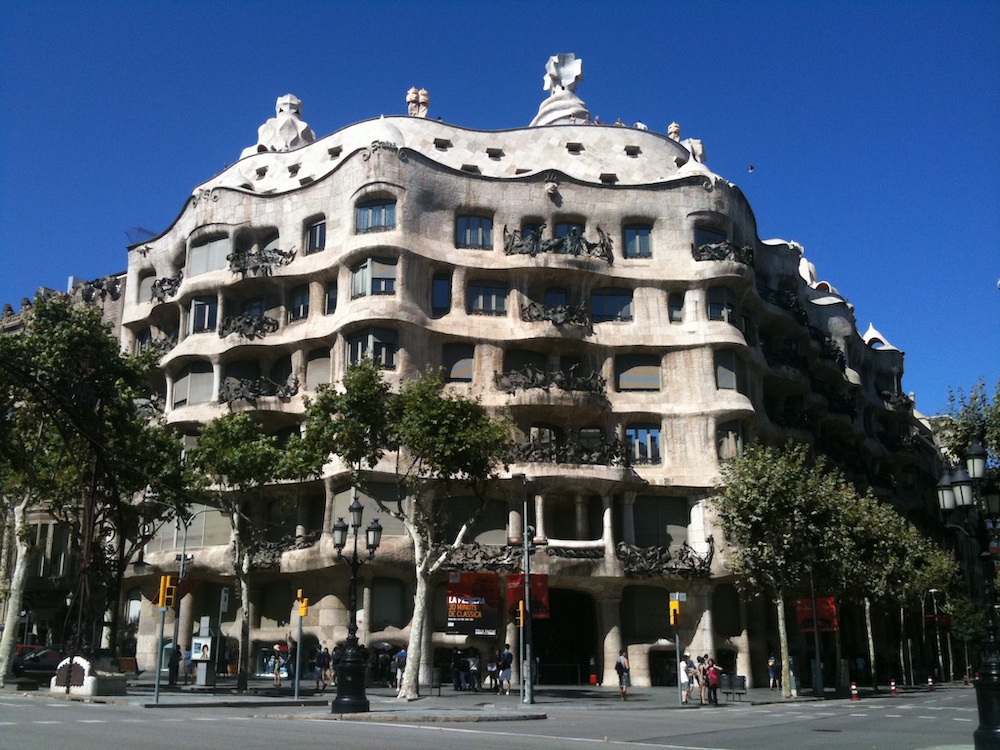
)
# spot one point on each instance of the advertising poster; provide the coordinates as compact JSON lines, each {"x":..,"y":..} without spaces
{"x":201,"y":649}
{"x":826,"y":614}
{"x":539,"y":595}
{"x":473,"y":603}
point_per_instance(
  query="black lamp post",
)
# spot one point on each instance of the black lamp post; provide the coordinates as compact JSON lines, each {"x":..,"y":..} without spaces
{"x":351,"y":671}
{"x":967,"y":488}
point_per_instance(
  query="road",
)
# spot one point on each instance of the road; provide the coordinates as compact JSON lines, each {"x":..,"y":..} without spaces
{"x":909,"y":722}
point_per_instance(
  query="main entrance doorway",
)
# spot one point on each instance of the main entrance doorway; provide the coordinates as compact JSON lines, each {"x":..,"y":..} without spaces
{"x":565,"y":643}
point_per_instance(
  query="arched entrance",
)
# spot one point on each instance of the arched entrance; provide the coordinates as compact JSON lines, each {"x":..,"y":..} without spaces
{"x":565,"y":643}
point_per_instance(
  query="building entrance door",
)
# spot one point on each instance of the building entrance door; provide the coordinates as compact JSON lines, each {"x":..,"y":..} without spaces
{"x":565,"y":643}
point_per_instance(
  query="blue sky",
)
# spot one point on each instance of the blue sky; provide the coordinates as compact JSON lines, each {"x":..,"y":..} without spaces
{"x":873,"y":127}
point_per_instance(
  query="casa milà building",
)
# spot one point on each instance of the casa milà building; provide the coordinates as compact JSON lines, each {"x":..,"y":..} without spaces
{"x":599,"y":282}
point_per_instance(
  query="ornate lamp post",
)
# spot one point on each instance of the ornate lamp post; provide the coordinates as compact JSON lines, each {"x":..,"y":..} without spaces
{"x":351,"y":672}
{"x":969,"y":487}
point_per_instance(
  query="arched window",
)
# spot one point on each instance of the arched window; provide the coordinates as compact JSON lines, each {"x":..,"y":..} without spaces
{"x":376,"y":216}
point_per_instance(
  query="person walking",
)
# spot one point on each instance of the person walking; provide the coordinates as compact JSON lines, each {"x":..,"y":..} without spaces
{"x":687,"y":674}
{"x":624,"y":673}
{"x":703,"y":679}
{"x":322,"y":661}
{"x":400,"y":664}
{"x":276,"y":663}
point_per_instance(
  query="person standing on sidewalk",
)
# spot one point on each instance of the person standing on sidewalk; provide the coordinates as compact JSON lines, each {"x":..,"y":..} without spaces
{"x":624,"y":673}
{"x":712,"y":673}
{"x":506,"y":660}
{"x":687,"y":673}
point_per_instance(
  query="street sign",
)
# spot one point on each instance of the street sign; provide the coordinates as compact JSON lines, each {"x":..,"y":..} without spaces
{"x":224,"y":600}
{"x":678,"y":596}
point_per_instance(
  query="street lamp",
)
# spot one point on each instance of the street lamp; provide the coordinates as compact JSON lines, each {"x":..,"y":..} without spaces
{"x":527,"y":656}
{"x":351,"y":672}
{"x":937,"y":631}
{"x":970,"y":487}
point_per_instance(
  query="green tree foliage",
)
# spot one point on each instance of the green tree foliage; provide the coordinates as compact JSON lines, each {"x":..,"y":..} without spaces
{"x":439,"y":443}
{"x":74,"y":443}
{"x":970,"y":415}
{"x":237,"y":460}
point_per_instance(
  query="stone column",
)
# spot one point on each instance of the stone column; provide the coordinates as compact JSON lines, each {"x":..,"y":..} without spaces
{"x":187,"y":622}
{"x":703,"y":640}
{"x":607,"y":527}
{"x":513,"y":637}
{"x":365,"y":626}
{"x":609,"y":622}
{"x":540,"y":536}
{"x":744,"y":666}
{"x":628,"y":517}
{"x":301,"y":517}
{"x":216,"y":381}
{"x":580,"y":502}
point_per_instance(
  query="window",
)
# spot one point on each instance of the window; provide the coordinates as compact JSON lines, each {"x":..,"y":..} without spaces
{"x":722,"y":304}
{"x":487,"y":298}
{"x":380,"y":344}
{"x":708,"y":236}
{"x":253,"y":306}
{"x":331,"y":297}
{"x":208,"y":256}
{"x":590,"y":438}
{"x":317,"y":368}
{"x":441,"y":294}
{"x":374,"y":276}
{"x":204,"y":312}
{"x":730,"y":374}
{"x":317,"y":237}
{"x":660,"y":521}
{"x":611,"y":304}
{"x":298,"y":303}
{"x":556,"y":298}
{"x":146,"y":288}
{"x":637,"y":372}
{"x":376,"y":216}
{"x":729,"y":440}
{"x":643,"y":441}
{"x":675,"y":307}
{"x":193,"y":384}
{"x":474,"y":231}
{"x":545,"y":435}
{"x":457,"y":361}
{"x":637,"y":241}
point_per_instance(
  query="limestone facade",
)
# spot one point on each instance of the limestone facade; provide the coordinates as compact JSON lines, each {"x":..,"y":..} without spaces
{"x":599,"y":283}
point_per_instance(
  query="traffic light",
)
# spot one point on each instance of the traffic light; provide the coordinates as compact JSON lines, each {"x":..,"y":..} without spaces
{"x":520,"y":613}
{"x":303,"y":607}
{"x":675,"y":613}
{"x":168,"y":591}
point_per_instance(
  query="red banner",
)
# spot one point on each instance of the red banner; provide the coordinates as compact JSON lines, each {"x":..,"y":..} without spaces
{"x":539,"y":595}
{"x":473,"y":603}
{"x":826,"y":614}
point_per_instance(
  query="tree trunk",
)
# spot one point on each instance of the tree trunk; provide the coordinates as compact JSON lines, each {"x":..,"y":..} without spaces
{"x":902,"y":647}
{"x":246,"y":658}
{"x":10,"y":631}
{"x":786,"y":671}
{"x":871,"y":642}
{"x":414,"y":649}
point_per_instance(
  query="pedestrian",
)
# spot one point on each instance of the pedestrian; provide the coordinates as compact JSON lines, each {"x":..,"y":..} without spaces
{"x":456,"y":668}
{"x":174,"y":665}
{"x":686,"y":673}
{"x":475,"y":681}
{"x":772,"y":672}
{"x":703,"y":679}
{"x":335,"y":663}
{"x":276,"y":664}
{"x":624,"y":673}
{"x":492,"y":683}
{"x":506,"y":660}
{"x":327,"y":656}
{"x":320,"y":669}
{"x":399,"y":662}
{"x":712,"y":673}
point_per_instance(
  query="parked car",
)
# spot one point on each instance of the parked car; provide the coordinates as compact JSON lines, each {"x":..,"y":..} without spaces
{"x":23,"y":649}
{"x":39,"y":664}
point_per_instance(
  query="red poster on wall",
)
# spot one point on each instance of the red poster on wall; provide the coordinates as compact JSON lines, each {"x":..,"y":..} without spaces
{"x":539,"y":595}
{"x":826,"y":614}
{"x":473,"y":603}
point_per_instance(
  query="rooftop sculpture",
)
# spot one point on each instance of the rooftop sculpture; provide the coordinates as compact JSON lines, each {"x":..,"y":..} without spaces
{"x":285,"y":131}
{"x":562,"y":73}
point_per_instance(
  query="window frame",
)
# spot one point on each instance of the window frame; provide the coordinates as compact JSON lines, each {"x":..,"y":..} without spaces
{"x":453,"y":355}
{"x":646,"y":450}
{"x":638,"y":241}
{"x":316,"y":236}
{"x":626,"y":362}
{"x":474,"y":232}
{"x":204,"y":315}
{"x":298,"y":307}
{"x":368,"y":278}
{"x":440,"y":287}
{"x":208,"y":254}
{"x":381,"y":344}
{"x":375,"y":215}
{"x":624,"y":313}
{"x":483,"y":290}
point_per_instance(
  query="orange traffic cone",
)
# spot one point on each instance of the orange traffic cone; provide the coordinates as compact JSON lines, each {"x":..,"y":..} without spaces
{"x":930,"y":683}
{"x":892,"y":687}
{"x":854,"y":692}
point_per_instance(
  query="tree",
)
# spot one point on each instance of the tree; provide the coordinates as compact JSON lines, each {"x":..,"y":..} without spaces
{"x":236,"y":461}
{"x":972,"y":415}
{"x":74,"y":442}
{"x":782,"y":514}
{"x":439,"y":442}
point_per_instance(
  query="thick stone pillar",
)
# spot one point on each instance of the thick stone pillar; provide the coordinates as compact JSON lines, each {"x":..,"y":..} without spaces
{"x":744,"y":664}
{"x":580,"y":506}
{"x":607,"y":527}
{"x":187,"y":622}
{"x":364,"y":621}
{"x":628,"y":518}
{"x":216,"y":380}
{"x":302,"y":517}
{"x":540,"y":536}
{"x":610,"y":632}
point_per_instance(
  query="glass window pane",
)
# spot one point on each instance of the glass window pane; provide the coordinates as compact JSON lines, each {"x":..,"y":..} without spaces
{"x":638,"y":372}
{"x":458,"y":361}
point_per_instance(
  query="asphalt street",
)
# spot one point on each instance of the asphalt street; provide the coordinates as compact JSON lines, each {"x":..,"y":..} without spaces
{"x":562,"y":719}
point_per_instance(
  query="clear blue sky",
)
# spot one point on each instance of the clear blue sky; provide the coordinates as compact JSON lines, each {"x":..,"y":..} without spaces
{"x":873,"y":127}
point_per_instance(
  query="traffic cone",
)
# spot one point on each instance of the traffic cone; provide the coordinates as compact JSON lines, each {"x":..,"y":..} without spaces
{"x":892,"y":687}
{"x":854,"y":692}
{"x":930,"y":683}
